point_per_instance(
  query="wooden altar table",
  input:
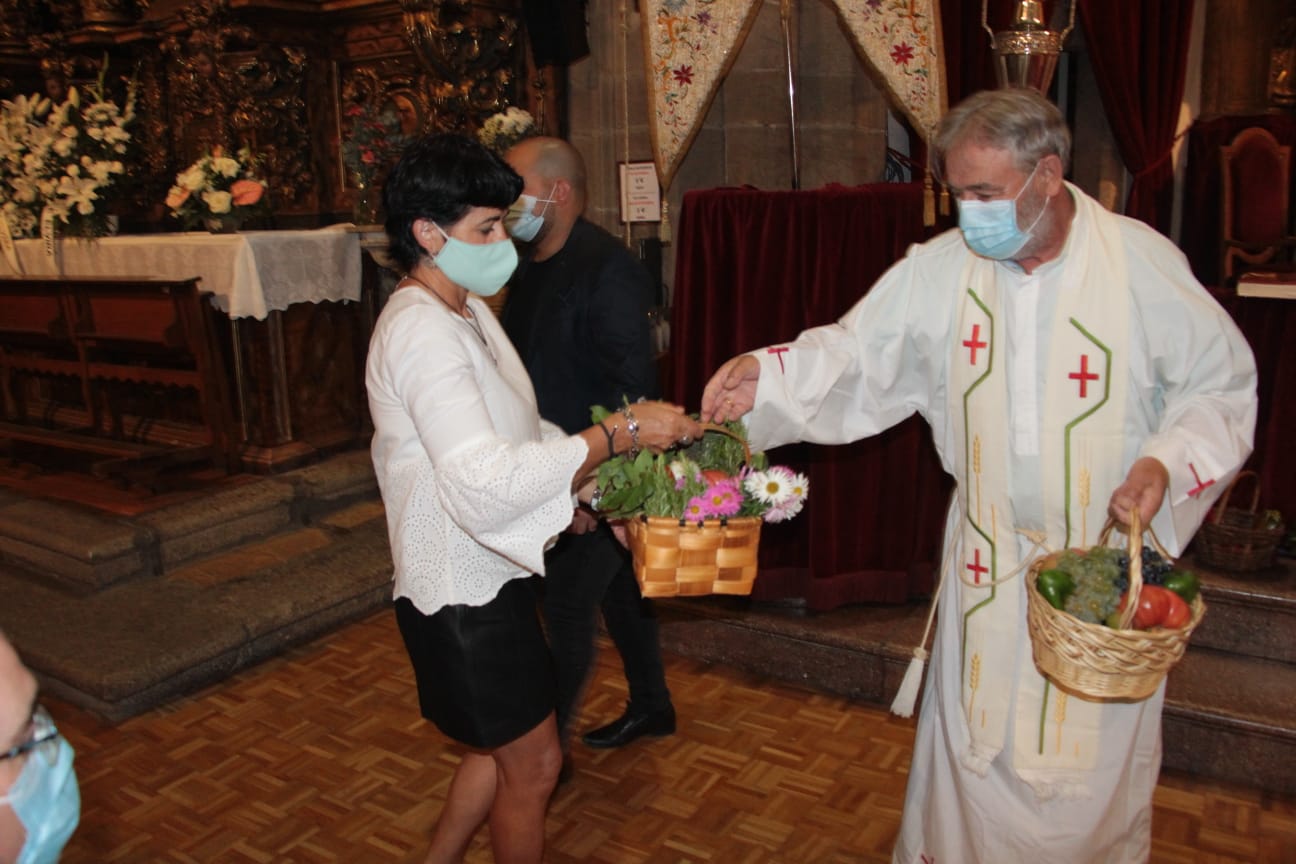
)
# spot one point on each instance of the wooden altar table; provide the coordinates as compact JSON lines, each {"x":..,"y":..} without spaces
{"x":297,"y":334}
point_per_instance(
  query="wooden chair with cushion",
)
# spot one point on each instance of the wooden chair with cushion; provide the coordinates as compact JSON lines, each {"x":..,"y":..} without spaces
{"x":1255,"y":179}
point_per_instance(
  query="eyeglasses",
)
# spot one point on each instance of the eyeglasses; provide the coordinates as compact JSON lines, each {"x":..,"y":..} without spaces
{"x":43,"y":731}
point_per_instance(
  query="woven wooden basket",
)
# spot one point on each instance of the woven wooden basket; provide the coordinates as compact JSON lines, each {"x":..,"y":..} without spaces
{"x":673,"y":558}
{"x":1098,"y":662}
{"x":676,"y":558}
{"x":1233,"y":538}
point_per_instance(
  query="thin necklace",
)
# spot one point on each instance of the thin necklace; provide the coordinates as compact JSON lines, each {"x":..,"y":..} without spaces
{"x":471,"y":322}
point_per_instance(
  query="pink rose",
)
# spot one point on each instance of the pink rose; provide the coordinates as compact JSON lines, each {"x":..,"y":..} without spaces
{"x":246,"y":192}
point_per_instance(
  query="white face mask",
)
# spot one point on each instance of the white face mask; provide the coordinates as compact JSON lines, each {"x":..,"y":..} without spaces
{"x":45,"y":796}
{"x":481,"y":268}
{"x":522,"y":222}
{"x":990,"y":227}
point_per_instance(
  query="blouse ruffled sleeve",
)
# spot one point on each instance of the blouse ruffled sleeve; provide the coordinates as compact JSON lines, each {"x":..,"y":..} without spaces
{"x":512,"y":496}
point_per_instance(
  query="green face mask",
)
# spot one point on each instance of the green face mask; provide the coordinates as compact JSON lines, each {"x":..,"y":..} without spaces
{"x":481,"y":268}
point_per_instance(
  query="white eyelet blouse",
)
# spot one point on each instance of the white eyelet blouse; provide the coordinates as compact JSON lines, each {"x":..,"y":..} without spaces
{"x":475,"y":484}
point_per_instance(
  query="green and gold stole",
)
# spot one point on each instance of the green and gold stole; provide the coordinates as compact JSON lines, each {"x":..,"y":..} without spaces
{"x":1081,"y":459}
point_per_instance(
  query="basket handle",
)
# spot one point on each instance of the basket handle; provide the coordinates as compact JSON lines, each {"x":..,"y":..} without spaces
{"x":1135,"y":569}
{"x":723,"y":430}
{"x":1135,"y":560}
{"x":1222,"y":506}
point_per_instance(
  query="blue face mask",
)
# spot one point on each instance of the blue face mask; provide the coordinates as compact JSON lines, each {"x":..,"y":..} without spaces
{"x":47,"y":802}
{"x":522,"y":222}
{"x":481,"y":268}
{"x":990,"y":227}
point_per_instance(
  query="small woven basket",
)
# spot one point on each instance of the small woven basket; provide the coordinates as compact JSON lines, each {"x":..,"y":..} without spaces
{"x":1097,"y":662}
{"x":677,"y":558}
{"x":1233,"y":538}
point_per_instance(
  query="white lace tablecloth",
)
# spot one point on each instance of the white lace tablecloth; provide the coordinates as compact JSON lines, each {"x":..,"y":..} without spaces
{"x":249,"y":273}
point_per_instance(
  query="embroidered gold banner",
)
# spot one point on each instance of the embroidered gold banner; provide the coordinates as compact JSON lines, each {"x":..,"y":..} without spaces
{"x":901,"y":41}
{"x":689,"y":46}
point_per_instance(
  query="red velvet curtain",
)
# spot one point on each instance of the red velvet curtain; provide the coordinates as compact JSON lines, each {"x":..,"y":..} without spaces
{"x":1139,"y":52}
{"x":755,"y":268}
{"x":969,"y":59}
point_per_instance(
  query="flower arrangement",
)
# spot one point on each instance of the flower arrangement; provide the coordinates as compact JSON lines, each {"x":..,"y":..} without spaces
{"x":58,"y":163}
{"x":501,"y":131}
{"x":374,"y":142}
{"x":218,"y":191}
{"x":710,"y":479}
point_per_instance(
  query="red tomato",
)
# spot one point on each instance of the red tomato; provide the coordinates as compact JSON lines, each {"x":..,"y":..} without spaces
{"x":713,"y":476}
{"x":1178,"y":613}
{"x":1154,"y":603}
{"x":1152,"y":608}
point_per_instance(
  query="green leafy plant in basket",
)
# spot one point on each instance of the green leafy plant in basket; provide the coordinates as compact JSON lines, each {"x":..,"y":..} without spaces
{"x":713,"y":478}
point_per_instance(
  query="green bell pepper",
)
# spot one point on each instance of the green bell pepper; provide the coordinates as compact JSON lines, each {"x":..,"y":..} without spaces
{"x":1183,"y":582}
{"x":1056,"y":586}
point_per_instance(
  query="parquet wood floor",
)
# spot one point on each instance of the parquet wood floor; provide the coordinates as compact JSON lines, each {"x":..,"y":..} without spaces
{"x":320,"y":756}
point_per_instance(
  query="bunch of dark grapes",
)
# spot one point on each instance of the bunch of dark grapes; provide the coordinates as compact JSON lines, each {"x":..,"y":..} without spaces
{"x":1155,"y":568}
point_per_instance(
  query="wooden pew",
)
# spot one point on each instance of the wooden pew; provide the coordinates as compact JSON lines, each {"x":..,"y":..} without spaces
{"x":135,"y":345}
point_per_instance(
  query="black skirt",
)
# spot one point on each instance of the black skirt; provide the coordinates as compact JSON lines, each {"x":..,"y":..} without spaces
{"x":485,"y":675}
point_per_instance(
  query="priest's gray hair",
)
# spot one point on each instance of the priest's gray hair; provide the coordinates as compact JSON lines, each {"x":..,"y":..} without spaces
{"x":1019,"y":120}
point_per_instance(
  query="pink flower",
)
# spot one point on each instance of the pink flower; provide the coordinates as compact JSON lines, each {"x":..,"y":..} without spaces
{"x":723,"y":498}
{"x":246,"y":192}
{"x":177,"y":196}
{"x":696,"y":510}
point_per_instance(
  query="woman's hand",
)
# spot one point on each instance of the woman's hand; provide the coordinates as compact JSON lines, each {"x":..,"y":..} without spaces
{"x":661,"y":426}
{"x":1144,"y":488}
{"x":731,"y":392}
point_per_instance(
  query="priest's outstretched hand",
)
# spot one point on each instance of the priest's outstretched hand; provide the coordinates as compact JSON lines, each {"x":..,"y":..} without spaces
{"x":731,"y":392}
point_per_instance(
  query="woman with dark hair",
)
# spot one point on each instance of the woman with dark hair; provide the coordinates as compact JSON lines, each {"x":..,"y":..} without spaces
{"x":476,"y":486}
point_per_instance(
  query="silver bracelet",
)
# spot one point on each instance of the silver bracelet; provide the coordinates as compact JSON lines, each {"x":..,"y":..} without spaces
{"x":632,"y":426}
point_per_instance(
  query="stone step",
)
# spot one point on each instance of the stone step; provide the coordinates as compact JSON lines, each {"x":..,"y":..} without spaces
{"x":84,"y":550}
{"x":1232,"y":718}
{"x":1252,"y":614}
{"x":141,"y":642}
{"x":1220,"y":707}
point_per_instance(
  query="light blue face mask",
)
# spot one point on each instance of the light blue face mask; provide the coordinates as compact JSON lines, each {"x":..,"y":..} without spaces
{"x":990,"y":227}
{"x":522,"y":221}
{"x":481,"y":268}
{"x":47,"y":802}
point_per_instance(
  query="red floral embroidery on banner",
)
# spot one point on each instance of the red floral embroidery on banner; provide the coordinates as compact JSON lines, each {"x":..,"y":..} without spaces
{"x":684,"y":74}
{"x":902,"y":54}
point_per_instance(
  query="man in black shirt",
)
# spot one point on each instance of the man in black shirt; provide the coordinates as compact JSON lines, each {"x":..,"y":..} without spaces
{"x":577,"y":311}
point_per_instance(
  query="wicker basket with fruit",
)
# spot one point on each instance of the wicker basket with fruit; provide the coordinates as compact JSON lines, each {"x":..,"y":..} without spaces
{"x":1108,"y":623}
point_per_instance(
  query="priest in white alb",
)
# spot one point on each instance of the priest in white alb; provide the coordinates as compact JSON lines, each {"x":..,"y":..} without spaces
{"x":1070,"y":367}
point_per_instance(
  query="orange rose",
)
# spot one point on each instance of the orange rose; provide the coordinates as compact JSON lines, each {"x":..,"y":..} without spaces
{"x":246,"y":192}
{"x":177,"y":196}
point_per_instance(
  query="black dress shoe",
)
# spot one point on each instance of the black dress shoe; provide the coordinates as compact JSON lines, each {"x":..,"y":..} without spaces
{"x":631,"y":726}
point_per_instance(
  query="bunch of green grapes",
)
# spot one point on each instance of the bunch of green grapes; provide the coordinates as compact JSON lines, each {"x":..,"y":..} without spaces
{"x":1096,"y":574}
